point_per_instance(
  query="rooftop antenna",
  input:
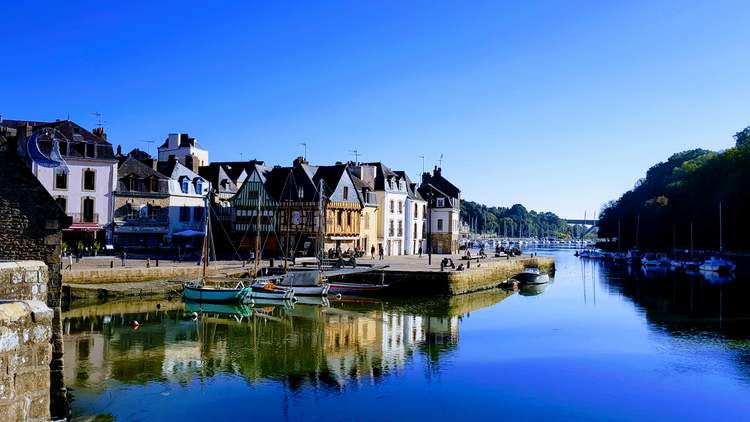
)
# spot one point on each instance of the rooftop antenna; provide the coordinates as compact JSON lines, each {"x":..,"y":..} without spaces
{"x":148,"y":145}
{"x":240,"y":156}
{"x":356,"y":156}
{"x":440,"y":161}
{"x":422,"y":157}
{"x":99,"y":121}
{"x":304,"y":145}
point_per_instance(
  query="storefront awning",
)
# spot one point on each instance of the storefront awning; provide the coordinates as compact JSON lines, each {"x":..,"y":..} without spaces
{"x":84,"y":227}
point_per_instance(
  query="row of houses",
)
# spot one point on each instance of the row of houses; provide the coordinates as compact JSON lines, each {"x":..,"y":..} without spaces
{"x":134,"y":201}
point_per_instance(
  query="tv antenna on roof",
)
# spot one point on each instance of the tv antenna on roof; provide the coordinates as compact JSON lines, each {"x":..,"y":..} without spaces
{"x":304,"y":145}
{"x":99,"y":121}
{"x":148,"y":146}
{"x":440,"y":161}
{"x":422,"y":157}
{"x":356,"y":156}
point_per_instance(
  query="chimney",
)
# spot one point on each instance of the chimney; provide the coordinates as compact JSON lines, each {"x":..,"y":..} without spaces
{"x":151,"y":162}
{"x":99,"y":132}
{"x":192,"y":163}
{"x":119,"y":150}
{"x":425,"y":177}
{"x":437,"y":171}
{"x":172,"y":141}
{"x":299,"y":160}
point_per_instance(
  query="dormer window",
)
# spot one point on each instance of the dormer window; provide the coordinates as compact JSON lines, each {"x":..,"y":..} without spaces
{"x":153,"y":184}
{"x":90,"y":151}
{"x":440,"y":202}
{"x":300,"y":192}
{"x":185,"y":185}
{"x":199,"y":186}
{"x":132,"y":183}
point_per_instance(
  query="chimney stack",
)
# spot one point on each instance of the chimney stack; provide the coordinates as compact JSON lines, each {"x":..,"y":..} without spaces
{"x":299,"y":160}
{"x":99,"y":132}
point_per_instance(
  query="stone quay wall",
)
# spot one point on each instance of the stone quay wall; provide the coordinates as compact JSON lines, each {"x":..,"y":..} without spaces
{"x":25,"y":355}
{"x":479,"y":276}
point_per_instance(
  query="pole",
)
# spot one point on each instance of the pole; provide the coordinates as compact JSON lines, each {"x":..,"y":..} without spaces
{"x":619,"y":248}
{"x":429,"y":226}
{"x":257,"y":238}
{"x":721,"y":237}
{"x":205,"y":241}
{"x":321,"y":224}
{"x":691,"y":240}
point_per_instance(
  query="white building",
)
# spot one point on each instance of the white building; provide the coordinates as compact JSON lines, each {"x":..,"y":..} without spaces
{"x":187,"y":202}
{"x":416,"y":209}
{"x":391,"y":194}
{"x":185,"y":149}
{"x":83,"y":187}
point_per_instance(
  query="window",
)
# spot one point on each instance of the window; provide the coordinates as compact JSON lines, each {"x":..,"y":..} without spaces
{"x":349,"y":219}
{"x":90,"y":150}
{"x":185,"y":185}
{"x":346,"y":193}
{"x":310,"y":218}
{"x":88,"y":210}
{"x":61,"y":179}
{"x":400,"y":207}
{"x":416,"y":211}
{"x":440,"y":224}
{"x":415,"y":230}
{"x":400,"y":228}
{"x":338,"y":218}
{"x":153,"y":184}
{"x":424,"y":210}
{"x":253,"y":194}
{"x":62,"y":202}
{"x":440,"y":202}
{"x":392,"y":207}
{"x":300,"y":192}
{"x":198,"y":186}
{"x":131,"y":183}
{"x":89,"y":179}
{"x":390,"y":227}
{"x":184,"y":214}
{"x":197,"y":214}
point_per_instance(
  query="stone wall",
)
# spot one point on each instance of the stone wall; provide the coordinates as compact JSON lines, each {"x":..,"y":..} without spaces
{"x":31,"y":225}
{"x":25,"y":354}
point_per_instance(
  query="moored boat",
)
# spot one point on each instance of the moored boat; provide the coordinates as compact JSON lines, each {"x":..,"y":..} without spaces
{"x":197,"y":291}
{"x":357,"y":289}
{"x":266,"y":289}
{"x":305,"y":283}
{"x":718,"y":264}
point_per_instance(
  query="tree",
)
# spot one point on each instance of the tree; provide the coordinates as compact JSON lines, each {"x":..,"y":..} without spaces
{"x":743,"y":138}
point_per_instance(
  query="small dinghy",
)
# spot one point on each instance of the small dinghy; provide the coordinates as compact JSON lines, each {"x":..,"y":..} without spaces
{"x":357,"y":289}
{"x":306,"y":283}
{"x":198,"y":291}
{"x":262,"y":289}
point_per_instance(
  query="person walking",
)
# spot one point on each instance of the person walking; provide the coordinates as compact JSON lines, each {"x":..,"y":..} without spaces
{"x":372,"y":252}
{"x":124,"y":256}
{"x":380,"y":252}
{"x":420,"y":251}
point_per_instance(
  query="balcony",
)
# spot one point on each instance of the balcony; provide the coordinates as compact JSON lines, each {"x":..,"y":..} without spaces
{"x":157,"y":220}
{"x":85,"y":217}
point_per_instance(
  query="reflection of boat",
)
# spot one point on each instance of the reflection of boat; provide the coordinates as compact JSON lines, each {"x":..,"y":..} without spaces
{"x":218,"y":308}
{"x":312,"y":300}
{"x":532,"y":289}
{"x":717,"y":264}
{"x":716,"y":277}
{"x":357,"y":289}
{"x":197,"y":290}
{"x":655,"y":260}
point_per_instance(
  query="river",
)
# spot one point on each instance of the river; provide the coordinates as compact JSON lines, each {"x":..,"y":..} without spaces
{"x":600,"y":342}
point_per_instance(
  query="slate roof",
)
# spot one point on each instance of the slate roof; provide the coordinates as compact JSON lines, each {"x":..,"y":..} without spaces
{"x":139,"y":154}
{"x":76,"y":136}
{"x":132,"y":166}
{"x":184,"y":141}
{"x":411,"y":187}
{"x":382,"y":173}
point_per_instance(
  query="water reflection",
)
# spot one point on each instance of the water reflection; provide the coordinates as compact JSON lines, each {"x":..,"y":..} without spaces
{"x":328,"y":345}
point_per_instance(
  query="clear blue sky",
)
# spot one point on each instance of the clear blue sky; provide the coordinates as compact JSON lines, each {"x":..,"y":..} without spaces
{"x":558,"y":105}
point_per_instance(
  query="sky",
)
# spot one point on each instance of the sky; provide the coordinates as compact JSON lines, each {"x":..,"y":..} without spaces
{"x":557,"y":105}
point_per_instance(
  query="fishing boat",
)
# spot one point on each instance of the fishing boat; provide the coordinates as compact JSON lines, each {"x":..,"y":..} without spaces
{"x":201,"y":291}
{"x":197,"y":290}
{"x":655,"y":260}
{"x":306,"y":283}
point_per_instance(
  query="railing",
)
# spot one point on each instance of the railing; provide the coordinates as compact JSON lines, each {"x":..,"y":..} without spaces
{"x":159,"y":220}
{"x":84,"y":217}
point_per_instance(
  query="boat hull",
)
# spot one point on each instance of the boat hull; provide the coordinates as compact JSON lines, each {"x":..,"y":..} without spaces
{"x":319,"y":291}
{"x":357,"y":289}
{"x":203,"y":294}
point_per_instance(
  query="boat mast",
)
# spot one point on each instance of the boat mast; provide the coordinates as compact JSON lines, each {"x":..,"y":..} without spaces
{"x":674,"y":242}
{"x":721,"y":239}
{"x":257,"y":238}
{"x":619,"y":249}
{"x":204,"y":253}
{"x":288,"y":224}
{"x":691,"y":240}
{"x":637,"y":230}
{"x":321,"y":222}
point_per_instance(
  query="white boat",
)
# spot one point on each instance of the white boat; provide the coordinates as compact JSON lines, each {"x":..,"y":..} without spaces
{"x":532,"y":275}
{"x":655,"y":260}
{"x":306,"y":283}
{"x":718,"y":264}
{"x":677,"y":264}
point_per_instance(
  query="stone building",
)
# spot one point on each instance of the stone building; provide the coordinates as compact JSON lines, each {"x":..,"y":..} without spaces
{"x":32,"y":224}
{"x":368,"y":218}
{"x":141,"y":211}
{"x":415,"y":212}
{"x":187,"y":204}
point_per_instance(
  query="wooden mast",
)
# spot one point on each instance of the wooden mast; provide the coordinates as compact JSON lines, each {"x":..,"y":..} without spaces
{"x":205,"y":240}
{"x":257,"y":237}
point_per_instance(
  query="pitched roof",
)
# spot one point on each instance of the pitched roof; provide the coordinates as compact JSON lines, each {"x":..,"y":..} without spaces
{"x":74,"y":134}
{"x":382,"y":173}
{"x":131,"y":165}
{"x":139,"y":154}
{"x":439,"y":183}
{"x":411,"y":187}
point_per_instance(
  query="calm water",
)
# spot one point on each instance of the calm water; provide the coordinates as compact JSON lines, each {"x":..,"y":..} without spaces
{"x":600,"y":342}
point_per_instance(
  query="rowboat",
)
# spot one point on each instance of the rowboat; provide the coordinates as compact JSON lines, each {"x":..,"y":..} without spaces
{"x":357,"y":289}
{"x":262,"y":289}
{"x":197,"y":291}
{"x":305,"y":283}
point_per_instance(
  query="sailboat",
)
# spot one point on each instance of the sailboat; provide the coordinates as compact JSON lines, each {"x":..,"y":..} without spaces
{"x":310,"y":282}
{"x":716,"y":263}
{"x":199,"y":291}
{"x":265,"y":287}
